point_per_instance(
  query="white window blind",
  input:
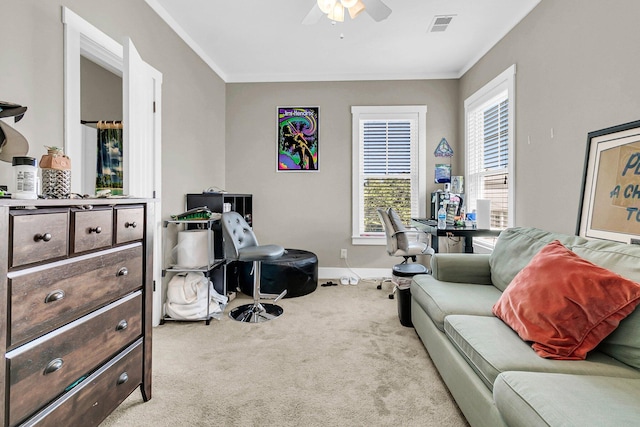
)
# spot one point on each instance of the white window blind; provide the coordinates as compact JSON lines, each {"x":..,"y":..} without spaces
{"x":489,"y":148}
{"x":389,"y":172}
{"x":496,"y":135}
{"x":386,"y":167}
{"x":488,"y":151}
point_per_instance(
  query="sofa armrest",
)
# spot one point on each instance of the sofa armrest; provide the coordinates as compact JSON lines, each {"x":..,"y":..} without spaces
{"x":461,"y":268}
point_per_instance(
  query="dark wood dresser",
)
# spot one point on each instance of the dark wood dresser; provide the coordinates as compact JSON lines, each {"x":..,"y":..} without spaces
{"x":75,"y":308}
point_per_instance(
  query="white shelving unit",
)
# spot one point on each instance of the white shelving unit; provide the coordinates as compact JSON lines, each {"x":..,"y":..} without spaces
{"x":182,"y":225}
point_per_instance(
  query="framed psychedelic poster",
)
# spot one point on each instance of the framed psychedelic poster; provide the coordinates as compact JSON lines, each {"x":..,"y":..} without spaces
{"x":297,"y":139}
{"x":610,"y":205}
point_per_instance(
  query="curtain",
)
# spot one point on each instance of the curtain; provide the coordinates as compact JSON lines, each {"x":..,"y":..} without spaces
{"x":109,"y":159}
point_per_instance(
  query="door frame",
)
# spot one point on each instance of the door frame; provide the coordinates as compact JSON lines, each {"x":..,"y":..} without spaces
{"x":81,"y":38}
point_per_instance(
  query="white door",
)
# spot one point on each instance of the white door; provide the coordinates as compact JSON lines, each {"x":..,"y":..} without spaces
{"x":141,"y":87}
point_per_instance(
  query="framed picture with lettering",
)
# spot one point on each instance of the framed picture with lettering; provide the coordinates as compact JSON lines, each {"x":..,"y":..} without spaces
{"x":610,"y":203}
{"x":297,"y":143}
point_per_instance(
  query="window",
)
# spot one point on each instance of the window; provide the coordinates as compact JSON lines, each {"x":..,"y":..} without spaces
{"x":490,"y":154}
{"x":389,"y":146}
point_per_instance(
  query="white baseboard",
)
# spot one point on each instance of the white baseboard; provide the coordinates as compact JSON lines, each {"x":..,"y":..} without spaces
{"x":363,"y":273}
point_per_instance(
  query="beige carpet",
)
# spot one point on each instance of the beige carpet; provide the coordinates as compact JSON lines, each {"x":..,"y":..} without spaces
{"x":337,"y":357}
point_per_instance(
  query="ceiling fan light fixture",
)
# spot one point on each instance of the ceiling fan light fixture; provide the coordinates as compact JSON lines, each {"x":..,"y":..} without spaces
{"x":337,"y":13}
{"x":326,"y":6}
{"x":348,"y":3}
{"x":356,"y":9}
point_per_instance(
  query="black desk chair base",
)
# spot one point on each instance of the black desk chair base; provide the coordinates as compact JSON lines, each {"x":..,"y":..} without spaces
{"x":256,"y":313}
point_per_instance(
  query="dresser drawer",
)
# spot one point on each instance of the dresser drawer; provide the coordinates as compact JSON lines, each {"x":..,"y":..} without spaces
{"x":42,"y":369}
{"x":46,"y":297}
{"x":91,"y":229}
{"x":92,"y":400}
{"x":129,"y":224}
{"x":38,"y":237}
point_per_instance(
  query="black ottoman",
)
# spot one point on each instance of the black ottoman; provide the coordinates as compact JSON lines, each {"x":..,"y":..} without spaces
{"x":296,"y":271}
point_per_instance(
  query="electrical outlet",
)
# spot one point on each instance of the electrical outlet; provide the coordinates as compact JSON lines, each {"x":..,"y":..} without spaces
{"x":343,"y":254}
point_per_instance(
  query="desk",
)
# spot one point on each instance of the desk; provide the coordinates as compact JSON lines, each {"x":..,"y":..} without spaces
{"x":466,"y":232}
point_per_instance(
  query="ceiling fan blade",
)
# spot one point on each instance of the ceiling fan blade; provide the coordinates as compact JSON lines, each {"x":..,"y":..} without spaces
{"x":313,"y":16}
{"x":377,"y":9}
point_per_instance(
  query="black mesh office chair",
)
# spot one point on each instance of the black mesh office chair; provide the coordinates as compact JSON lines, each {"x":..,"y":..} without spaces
{"x":240,"y":244}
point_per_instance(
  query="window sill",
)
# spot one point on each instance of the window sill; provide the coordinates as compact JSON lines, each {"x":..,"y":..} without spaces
{"x":373,"y":240}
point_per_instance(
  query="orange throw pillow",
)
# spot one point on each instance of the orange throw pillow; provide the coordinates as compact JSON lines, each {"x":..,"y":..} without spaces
{"x":565,"y":304}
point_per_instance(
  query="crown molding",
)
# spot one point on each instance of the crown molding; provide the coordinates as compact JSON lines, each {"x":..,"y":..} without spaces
{"x":166,"y":17}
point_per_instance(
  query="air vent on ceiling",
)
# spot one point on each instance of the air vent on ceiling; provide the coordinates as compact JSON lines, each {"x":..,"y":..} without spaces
{"x":440,"y":23}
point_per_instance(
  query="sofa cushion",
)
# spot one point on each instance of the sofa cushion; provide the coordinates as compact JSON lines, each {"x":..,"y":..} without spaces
{"x":620,"y":258}
{"x":440,"y":299}
{"x":565,"y":304}
{"x":491,"y":347}
{"x":624,"y":342}
{"x":516,"y":246}
{"x":530,"y":399}
{"x":461,"y":268}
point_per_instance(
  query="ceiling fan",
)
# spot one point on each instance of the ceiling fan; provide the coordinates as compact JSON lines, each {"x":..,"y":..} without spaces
{"x":335,"y":10}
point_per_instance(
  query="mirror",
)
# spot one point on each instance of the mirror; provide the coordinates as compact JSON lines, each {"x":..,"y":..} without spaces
{"x":85,"y":44}
{"x":101,"y":117}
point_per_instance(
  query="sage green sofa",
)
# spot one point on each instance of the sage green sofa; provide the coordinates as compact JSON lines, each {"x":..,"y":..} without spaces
{"x":495,"y":377}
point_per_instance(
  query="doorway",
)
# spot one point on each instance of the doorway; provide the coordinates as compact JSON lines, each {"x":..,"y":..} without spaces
{"x":141,"y":119}
{"x":101,"y":119}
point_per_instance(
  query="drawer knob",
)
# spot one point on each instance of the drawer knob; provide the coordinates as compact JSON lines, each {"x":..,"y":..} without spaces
{"x":54,"y":296}
{"x":53,"y":366}
{"x":96,"y":230}
{"x":130,"y":224}
{"x":123,"y":378}
{"x":122,"y":325}
{"x":44,"y":237}
{"x":123,"y":272}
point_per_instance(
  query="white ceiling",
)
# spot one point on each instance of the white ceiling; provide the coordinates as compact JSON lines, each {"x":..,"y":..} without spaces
{"x":265,"y":40}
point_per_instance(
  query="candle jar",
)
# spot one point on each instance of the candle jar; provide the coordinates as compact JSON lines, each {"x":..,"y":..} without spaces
{"x":56,"y":174}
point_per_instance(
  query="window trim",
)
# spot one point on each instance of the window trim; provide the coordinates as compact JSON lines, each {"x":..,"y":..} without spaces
{"x":505,"y":81}
{"x":359,"y":112}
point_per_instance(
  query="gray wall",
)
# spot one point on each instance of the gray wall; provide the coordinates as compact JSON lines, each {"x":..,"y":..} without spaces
{"x":100,"y":92}
{"x":193,"y":115}
{"x":577,"y":71}
{"x":312,"y":210}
